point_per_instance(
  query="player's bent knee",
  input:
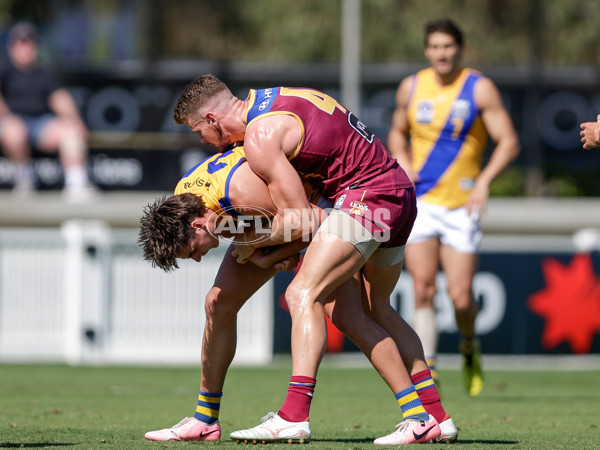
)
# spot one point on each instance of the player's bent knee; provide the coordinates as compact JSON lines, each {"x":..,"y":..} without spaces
{"x":299,"y":299}
{"x":217,"y":308}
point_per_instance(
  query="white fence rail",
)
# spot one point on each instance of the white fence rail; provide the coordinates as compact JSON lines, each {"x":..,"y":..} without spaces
{"x":84,"y":294}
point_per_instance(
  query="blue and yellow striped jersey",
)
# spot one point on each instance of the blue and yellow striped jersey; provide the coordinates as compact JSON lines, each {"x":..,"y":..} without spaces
{"x":447,"y":135}
{"x":210,"y":179}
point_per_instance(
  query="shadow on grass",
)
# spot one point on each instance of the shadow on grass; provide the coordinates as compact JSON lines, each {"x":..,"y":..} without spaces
{"x":460,"y":441}
{"x":35,"y":444}
{"x":486,"y":441}
{"x":345,"y":441}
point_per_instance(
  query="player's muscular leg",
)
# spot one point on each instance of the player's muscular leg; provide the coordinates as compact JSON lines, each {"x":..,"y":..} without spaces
{"x":345,"y":310}
{"x":379,"y":283}
{"x":460,"y":269}
{"x":235,"y":283}
{"x":328,"y":262}
{"x":422,"y":261}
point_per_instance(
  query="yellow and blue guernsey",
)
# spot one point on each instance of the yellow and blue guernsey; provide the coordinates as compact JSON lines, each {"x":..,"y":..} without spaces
{"x":210,"y":179}
{"x":448,"y":137}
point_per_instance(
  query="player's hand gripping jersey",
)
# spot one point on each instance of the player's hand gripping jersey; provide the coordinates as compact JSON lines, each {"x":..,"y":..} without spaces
{"x":337,"y":151}
{"x":447,"y":137}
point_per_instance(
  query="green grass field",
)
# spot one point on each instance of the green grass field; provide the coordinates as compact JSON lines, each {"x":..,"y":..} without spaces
{"x":47,"y":406}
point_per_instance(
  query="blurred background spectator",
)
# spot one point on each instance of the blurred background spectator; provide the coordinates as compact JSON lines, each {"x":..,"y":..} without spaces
{"x":35,"y":111}
{"x":125,"y":61}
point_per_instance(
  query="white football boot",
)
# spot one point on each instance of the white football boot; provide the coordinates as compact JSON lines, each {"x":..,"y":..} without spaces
{"x":274,"y":429}
{"x":448,"y":431}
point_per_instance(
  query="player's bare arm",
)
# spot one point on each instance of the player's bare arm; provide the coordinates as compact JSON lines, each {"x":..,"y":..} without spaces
{"x":285,"y":257}
{"x":500,"y":129}
{"x":267,"y":145}
{"x":247,"y":192}
{"x":590,"y":134}
{"x":398,"y":144}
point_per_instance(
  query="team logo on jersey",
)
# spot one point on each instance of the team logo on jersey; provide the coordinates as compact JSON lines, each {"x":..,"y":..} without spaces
{"x":461,"y":108}
{"x":466,"y":184}
{"x":424,"y":111}
{"x":339,"y":202}
{"x":358,"y":208}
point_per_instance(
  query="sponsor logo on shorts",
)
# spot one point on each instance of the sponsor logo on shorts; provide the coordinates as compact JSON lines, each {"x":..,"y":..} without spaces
{"x":358,"y":208}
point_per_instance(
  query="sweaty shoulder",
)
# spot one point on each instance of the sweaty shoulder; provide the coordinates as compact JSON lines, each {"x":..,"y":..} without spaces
{"x":278,"y":131}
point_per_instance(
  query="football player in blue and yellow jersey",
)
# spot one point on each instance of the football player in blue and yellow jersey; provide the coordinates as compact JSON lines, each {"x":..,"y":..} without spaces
{"x":190,"y":223}
{"x":187,"y":225}
{"x":439,"y":132}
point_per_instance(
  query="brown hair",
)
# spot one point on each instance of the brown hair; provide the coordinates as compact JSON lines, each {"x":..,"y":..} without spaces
{"x":195,"y":95}
{"x":165,"y":227}
{"x":444,"y":26}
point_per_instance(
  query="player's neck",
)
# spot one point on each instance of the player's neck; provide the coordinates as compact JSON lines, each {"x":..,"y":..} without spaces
{"x":240,"y":110}
{"x":447,"y":79}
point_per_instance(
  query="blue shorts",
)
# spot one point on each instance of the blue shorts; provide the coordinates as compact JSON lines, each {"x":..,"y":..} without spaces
{"x":36,"y":125}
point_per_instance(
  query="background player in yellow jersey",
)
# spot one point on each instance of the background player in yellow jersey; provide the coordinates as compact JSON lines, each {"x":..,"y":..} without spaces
{"x":438,"y":135}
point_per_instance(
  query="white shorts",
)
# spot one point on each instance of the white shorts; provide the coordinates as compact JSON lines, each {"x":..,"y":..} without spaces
{"x":453,"y":227}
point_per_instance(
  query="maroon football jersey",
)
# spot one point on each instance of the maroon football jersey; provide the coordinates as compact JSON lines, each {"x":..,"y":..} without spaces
{"x":337,"y":151}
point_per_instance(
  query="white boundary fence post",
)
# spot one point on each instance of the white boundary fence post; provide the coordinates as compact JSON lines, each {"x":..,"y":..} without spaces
{"x":83,"y":282}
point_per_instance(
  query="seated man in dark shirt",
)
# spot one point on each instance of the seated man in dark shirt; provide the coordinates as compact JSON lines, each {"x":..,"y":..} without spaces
{"x":36,"y":111}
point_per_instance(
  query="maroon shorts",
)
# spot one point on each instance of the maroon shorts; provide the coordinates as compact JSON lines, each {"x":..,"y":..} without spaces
{"x":388,"y":214}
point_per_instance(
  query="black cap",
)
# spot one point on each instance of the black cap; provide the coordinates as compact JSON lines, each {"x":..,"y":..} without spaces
{"x":22,"y":31}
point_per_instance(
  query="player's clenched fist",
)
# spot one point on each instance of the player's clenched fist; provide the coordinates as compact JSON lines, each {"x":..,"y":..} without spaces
{"x":590,"y":134}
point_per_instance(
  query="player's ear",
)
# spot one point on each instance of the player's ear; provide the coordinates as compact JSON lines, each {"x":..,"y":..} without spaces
{"x":210,"y":118}
{"x":197,"y":223}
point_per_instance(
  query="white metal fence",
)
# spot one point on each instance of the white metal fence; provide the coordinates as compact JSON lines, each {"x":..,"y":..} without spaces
{"x":84,"y":294}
